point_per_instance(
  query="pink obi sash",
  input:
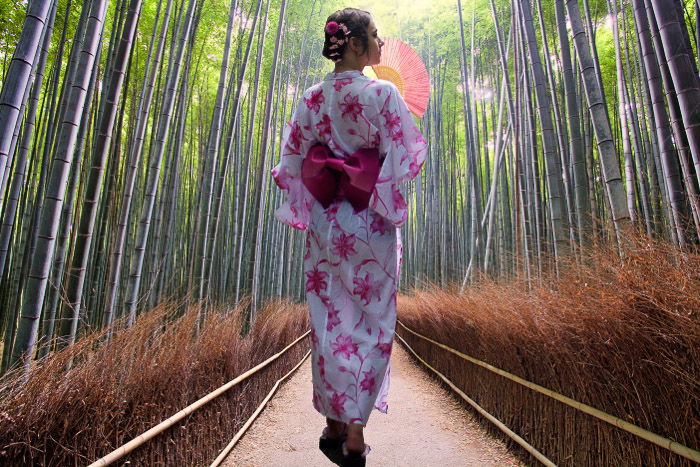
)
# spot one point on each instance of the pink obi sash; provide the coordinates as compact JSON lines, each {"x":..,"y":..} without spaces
{"x":328,"y":177}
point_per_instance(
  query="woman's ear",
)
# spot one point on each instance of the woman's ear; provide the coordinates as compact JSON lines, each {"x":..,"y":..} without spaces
{"x":356,"y":45}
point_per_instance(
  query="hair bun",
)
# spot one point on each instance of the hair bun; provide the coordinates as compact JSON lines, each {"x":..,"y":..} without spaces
{"x":342,"y":25}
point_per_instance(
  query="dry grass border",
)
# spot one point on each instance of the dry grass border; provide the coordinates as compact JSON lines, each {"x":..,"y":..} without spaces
{"x":145,"y":374}
{"x":621,"y":336}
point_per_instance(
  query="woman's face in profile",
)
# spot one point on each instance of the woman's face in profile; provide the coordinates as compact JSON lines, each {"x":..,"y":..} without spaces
{"x":374,"y":44}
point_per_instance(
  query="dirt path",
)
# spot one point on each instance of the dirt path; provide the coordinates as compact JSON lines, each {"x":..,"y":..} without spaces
{"x":425,"y":426}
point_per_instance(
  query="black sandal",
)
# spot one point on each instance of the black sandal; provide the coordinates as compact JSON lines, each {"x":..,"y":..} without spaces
{"x":332,"y":447}
{"x":354,"y":458}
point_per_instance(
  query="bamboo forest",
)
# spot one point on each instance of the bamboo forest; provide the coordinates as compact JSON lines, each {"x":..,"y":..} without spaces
{"x":552,"y":234}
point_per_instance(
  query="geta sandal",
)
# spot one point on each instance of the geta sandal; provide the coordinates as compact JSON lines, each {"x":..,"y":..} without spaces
{"x":354,"y":458}
{"x":332,"y":447}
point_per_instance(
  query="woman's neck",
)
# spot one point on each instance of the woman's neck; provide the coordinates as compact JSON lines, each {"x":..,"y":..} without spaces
{"x":347,"y":65}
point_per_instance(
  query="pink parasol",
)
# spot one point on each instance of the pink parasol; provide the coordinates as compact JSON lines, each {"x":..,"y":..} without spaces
{"x":401,"y":65}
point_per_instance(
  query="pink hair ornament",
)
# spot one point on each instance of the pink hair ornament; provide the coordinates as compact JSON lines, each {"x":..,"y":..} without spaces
{"x":332,"y":27}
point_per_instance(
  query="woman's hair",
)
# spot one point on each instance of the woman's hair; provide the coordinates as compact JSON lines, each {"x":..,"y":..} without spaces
{"x":340,"y":27}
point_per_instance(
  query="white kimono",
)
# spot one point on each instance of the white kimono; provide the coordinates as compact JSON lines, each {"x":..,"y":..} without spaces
{"x":351,"y":259}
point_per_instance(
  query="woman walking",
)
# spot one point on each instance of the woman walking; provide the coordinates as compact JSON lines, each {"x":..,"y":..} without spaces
{"x":349,"y":145}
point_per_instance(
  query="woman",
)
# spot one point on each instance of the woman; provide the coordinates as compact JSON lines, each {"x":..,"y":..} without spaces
{"x":353,"y":248}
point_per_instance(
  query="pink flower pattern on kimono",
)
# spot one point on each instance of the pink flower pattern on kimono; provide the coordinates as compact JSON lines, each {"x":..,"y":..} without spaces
{"x":378,"y":224}
{"x":384,"y":348}
{"x":392,"y":121}
{"x":345,"y":346}
{"x":343,"y":245}
{"x":314,"y":102}
{"x":351,"y":259}
{"x":331,"y":212}
{"x":339,"y":83}
{"x":324,"y":126}
{"x":397,"y":136}
{"x":366,"y":288}
{"x":398,"y":198}
{"x":368,"y":382}
{"x":414,"y":168}
{"x":338,"y":402}
{"x":296,"y":137}
{"x":333,"y":319}
{"x":320,"y":366}
{"x":282,"y":177}
{"x":315,"y":281}
{"x":351,"y":106}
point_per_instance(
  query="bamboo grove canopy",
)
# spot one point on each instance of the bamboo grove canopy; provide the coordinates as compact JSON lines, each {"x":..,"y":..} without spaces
{"x":136,"y":141}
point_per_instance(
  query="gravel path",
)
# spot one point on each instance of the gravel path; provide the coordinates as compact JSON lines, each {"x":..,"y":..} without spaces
{"x":425,"y":426}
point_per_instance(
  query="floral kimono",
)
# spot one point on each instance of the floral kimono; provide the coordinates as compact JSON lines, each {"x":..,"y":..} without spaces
{"x":352,"y":259}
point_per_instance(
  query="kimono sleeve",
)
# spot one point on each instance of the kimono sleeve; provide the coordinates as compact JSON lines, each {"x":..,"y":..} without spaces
{"x":296,"y":140}
{"x":404,"y":148}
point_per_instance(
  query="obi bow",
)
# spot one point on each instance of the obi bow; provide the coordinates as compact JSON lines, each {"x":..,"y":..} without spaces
{"x":353,"y":178}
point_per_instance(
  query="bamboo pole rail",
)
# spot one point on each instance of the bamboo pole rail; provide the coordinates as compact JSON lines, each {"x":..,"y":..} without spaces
{"x":659,"y":440}
{"x":666,"y":443}
{"x":514,"y":436}
{"x":169,"y":422}
{"x":252,"y":418}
